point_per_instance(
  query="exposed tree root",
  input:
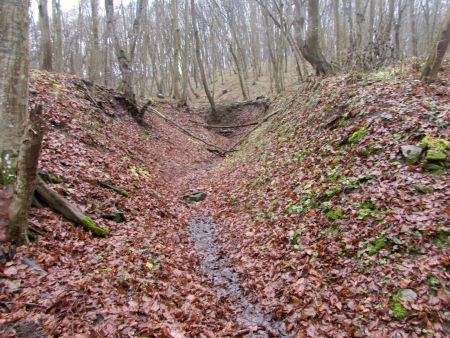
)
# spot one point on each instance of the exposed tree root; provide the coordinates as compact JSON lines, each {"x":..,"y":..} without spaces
{"x":71,"y":212}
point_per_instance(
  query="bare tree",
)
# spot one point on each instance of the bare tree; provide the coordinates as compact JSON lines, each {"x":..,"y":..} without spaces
{"x":310,"y":46}
{"x":58,"y":43}
{"x":436,"y":56}
{"x":94,"y":50}
{"x":46,"y":42}
{"x":19,"y":150}
{"x":176,"y":51}
{"x":185,"y":64}
{"x":125,"y":58}
{"x":200,"y":62}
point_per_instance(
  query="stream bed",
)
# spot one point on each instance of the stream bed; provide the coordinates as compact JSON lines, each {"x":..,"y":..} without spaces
{"x":203,"y":231}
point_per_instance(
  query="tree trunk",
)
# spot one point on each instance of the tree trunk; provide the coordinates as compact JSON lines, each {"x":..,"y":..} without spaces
{"x":310,"y":47}
{"x":46,"y":42}
{"x":200,"y":62}
{"x":59,"y":65}
{"x":185,"y":65}
{"x":431,"y":68}
{"x":412,"y":19}
{"x":397,"y":29}
{"x":337,"y":31}
{"x":26,"y":178}
{"x":125,"y":64}
{"x":13,"y":97}
{"x":94,"y":52}
{"x":176,"y":51}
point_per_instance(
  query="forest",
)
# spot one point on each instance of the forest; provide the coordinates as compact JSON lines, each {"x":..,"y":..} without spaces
{"x":224,"y":168}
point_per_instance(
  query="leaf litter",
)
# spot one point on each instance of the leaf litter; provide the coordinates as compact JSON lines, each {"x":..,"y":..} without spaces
{"x":263,"y":258}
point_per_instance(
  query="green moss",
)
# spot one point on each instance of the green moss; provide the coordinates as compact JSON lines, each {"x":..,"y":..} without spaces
{"x":333,"y":191}
{"x":335,"y":214}
{"x":358,"y":135}
{"x":56,"y":179}
{"x":89,"y":224}
{"x":399,"y":312}
{"x":435,"y":143}
{"x":442,"y":238}
{"x":377,"y":245}
{"x":436,"y":155}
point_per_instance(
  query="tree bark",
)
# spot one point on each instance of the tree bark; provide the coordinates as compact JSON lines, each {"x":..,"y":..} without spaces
{"x":337,"y":31}
{"x":310,"y":47}
{"x":412,"y":19}
{"x":46,"y":42}
{"x":59,"y":65}
{"x":176,"y":52}
{"x":431,"y":68}
{"x":26,"y":178}
{"x":13,"y":96}
{"x":95,"y":48}
{"x":185,"y":65}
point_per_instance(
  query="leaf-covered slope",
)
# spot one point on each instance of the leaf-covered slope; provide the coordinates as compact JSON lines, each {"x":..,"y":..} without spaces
{"x":141,"y":280}
{"x":329,"y":225}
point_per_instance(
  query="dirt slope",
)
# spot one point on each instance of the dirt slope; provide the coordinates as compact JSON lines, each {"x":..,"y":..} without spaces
{"x":142,"y":279}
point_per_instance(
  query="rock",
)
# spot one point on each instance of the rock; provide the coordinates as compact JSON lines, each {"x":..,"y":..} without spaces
{"x":411,"y":153}
{"x":423,"y":189}
{"x":160,"y":96}
{"x":401,"y":302}
{"x":407,"y":295}
{"x":195,"y":197}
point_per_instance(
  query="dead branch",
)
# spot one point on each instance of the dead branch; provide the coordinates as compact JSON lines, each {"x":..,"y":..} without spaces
{"x":185,"y":131}
{"x":254,"y":128}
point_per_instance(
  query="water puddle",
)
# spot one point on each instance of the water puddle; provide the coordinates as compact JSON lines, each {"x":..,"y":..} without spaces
{"x":226,"y":282}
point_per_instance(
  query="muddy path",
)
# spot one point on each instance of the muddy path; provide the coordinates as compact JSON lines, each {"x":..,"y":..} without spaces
{"x":226,"y":283}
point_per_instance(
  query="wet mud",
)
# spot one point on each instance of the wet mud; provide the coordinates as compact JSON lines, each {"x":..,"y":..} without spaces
{"x":203,"y":231}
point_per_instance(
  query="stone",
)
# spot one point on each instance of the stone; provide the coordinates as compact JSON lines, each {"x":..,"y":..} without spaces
{"x":195,"y":197}
{"x":407,"y":295}
{"x":423,"y":189}
{"x":411,"y":153}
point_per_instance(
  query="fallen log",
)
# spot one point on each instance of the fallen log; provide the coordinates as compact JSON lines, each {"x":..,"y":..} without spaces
{"x":68,"y":210}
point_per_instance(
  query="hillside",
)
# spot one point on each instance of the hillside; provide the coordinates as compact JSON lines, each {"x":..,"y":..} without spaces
{"x":330,"y":226}
{"x":315,"y":226}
